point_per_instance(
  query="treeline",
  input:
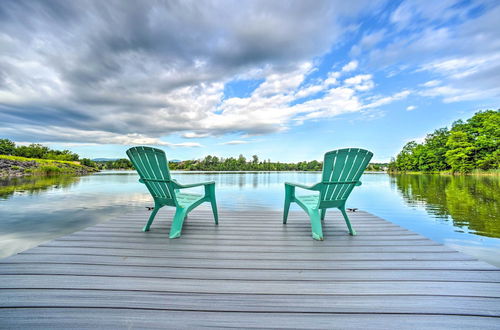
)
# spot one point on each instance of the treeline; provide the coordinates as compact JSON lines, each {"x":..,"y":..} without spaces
{"x":214,"y":163}
{"x":469,"y":145}
{"x":34,"y":150}
{"x":118,"y":164}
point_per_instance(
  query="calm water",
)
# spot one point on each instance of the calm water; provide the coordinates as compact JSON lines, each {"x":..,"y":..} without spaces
{"x":461,"y":212}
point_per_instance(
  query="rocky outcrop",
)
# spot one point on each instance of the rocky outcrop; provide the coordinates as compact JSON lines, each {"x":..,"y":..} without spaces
{"x":17,"y":168}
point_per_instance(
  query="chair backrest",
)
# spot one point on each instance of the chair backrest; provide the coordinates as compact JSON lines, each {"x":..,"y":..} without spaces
{"x":342,"y":169}
{"x":151,"y":164}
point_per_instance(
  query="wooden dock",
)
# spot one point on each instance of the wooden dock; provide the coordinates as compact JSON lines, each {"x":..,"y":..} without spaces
{"x":249,"y":272}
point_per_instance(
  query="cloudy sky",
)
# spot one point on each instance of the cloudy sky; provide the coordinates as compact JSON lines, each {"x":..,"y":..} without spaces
{"x":286,"y":80}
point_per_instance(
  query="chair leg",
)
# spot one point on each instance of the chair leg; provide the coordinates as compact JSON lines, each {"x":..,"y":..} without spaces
{"x":151,"y":217}
{"x":285,"y":211}
{"x":176,"y":228}
{"x":317,"y":228}
{"x":323,"y":214}
{"x":288,"y":199}
{"x":210,"y":194}
{"x":214,"y":209}
{"x":348,"y":223}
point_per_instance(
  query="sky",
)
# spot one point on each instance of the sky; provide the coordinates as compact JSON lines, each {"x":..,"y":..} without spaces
{"x":285,"y":80}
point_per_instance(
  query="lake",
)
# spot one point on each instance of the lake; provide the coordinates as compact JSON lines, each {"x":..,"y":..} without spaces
{"x":459,"y":211}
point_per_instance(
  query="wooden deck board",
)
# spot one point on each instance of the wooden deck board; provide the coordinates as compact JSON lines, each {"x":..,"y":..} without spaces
{"x":250,"y":272}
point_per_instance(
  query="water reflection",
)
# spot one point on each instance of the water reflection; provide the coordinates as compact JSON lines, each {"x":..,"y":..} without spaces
{"x":34,"y":185}
{"x":459,"y":211}
{"x":471,"y":203}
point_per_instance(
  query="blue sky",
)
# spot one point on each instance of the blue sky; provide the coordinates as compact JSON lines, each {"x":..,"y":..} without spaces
{"x":286,"y":80}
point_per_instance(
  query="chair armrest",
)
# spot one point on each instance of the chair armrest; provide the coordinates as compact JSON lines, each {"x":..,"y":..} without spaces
{"x":303,"y":186}
{"x":177,"y":185}
{"x":358,"y":184}
{"x":191,"y":185}
{"x":152,"y":180}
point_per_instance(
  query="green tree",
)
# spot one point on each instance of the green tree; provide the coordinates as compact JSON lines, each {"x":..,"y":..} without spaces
{"x":88,"y":162}
{"x":460,"y":153}
{"x":434,"y":155}
{"x":34,"y":150}
{"x":7,"y":147}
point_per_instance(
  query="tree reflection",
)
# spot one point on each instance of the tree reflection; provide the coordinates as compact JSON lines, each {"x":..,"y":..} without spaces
{"x":472,"y":202}
{"x":34,"y":185}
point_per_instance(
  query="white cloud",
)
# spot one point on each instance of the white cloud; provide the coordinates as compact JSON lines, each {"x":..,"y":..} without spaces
{"x":362,"y":82}
{"x":427,"y":11}
{"x":410,"y":108}
{"x":147,"y":70}
{"x":356,"y":80}
{"x":431,"y":83}
{"x":202,"y":111}
{"x":194,"y":135}
{"x":455,"y":43}
{"x":133,"y":74}
{"x":380,"y":101}
{"x":236,"y":142}
{"x":55,"y":134}
{"x":351,"y":66}
{"x":368,"y":41}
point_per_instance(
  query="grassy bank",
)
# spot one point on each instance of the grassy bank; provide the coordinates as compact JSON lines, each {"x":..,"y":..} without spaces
{"x":12,"y":166}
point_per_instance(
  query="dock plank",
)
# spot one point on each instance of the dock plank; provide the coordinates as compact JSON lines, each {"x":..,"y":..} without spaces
{"x":251,"y":271}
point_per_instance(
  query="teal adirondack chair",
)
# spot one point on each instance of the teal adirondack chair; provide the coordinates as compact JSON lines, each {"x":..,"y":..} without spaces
{"x":152,"y":166}
{"x":341,"y":172}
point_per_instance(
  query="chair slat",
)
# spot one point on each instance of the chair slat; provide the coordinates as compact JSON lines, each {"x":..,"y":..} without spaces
{"x":156,"y":185}
{"x":338,"y":168}
{"x":344,"y":175}
{"x":354,"y":157}
{"x":152,"y":158}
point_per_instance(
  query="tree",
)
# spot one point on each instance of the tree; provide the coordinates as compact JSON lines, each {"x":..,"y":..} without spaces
{"x":460,"y":153}
{"x":34,"y":150}
{"x":241,"y":160}
{"x":434,"y":158}
{"x":88,"y":162}
{"x":7,"y":147}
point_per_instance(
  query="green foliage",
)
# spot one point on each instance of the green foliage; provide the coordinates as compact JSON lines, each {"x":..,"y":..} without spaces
{"x":35,"y":150}
{"x":460,"y":152}
{"x":88,"y":162}
{"x":119,"y":164}
{"x":377,"y":167}
{"x":7,"y":147}
{"x":474,"y":144}
{"x":49,"y":170}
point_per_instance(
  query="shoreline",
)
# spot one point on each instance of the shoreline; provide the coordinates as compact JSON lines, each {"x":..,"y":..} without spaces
{"x":473,"y":173}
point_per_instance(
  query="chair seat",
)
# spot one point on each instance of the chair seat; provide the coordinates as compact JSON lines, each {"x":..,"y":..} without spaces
{"x":186,"y":199}
{"x":311,"y":201}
